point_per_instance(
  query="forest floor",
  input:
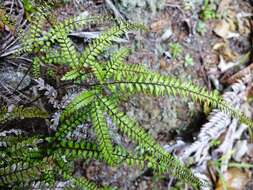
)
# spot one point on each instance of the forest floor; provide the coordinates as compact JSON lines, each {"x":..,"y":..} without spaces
{"x":207,"y":42}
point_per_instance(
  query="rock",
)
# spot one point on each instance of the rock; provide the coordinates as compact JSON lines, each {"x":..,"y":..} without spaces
{"x":11,"y":79}
{"x":166,"y":35}
{"x":241,"y":149}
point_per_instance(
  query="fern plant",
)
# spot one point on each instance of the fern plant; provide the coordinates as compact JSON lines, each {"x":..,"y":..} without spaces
{"x":20,"y":112}
{"x":40,"y":161}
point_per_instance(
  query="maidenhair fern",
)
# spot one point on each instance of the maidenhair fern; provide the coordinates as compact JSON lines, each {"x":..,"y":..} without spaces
{"x":46,"y":159}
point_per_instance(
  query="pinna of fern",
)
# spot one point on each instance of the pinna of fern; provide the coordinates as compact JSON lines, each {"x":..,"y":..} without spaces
{"x":105,"y":83}
{"x":8,"y":113}
{"x":33,"y":162}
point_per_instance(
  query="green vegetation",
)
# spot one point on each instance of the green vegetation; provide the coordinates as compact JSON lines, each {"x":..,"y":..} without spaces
{"x":201,"y":27}
{"x":20,"y":112}
{"x":5,"y":20}
{"x":44,"y":160}
{"x":175,"y":49}
{"x":28,"y":6}
{"x":188,"y":60}
{"x":215,"y":143}
{"x":207,"y":12}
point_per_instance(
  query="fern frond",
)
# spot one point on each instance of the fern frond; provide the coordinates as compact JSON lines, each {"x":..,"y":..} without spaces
{"x":86,"y":150}
{"x":53,"y":57}
{"x":77,"y":22}
{"x":82,"y":149}
{"x":133,"y":131}
{"x":30,"y":38}
{"x":36,"y":62}
{"x":68,"y":50}
{"x":20,"y":112}
{"x":8,"y":141}
{"x":158,"y":85}
{"x":25,"y":150}
{"x":117,"y":64}
{"x":71,"y":75}
{"x":75,"y":113}
{"x":72,"y":121}
{"x":19,"y":173}
{"x":102,"y":132}
{"x":80,"y":101}
{"x":97,"y":46}
{"x":83,"y":183}
{"x":52,"y":36}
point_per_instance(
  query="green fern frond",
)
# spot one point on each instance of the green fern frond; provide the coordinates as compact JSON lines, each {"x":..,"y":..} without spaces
{"x":83,"y":183}
{"x":76,"y":113}
{"x":102,"y":133}
{"x":133,"y":131}
{"x":36,"y":62}
{"x":25,"y":150}
{"x":30,"y":38}
{"x":117,"y":64}
{"x":86,"y":150}
{"x":8,"y":141}
{"x":158,"y":85}
{"x":19,"y":173}
{"x":68,"y":50}
{"x":83,"y":149}
{"x":72,"y":75}
{"x":80,"y":101}
{"x":72,"y":121}
{"x":52,"y":36}
{"x":20,"y":112}
{"x":76,"y":23}
{"x":53,"y":57}
{"x":97,"y":46}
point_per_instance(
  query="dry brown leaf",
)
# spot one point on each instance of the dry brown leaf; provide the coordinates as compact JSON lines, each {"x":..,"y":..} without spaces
{"x":224,"y":49}
{"x":163,"y":64}
{"x":158,"y":25}
{"x":239,"y":75}
{"x":1,"y":26}
{"x":221,"y":29}
{"x":235,"y":179}
{"x":223,"y":5}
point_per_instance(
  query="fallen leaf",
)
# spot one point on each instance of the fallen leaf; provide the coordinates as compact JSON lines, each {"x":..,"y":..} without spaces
{"x":1,"y":26}
{"x":243,"y":22}
{"x":222,"y":29}
{"x":224,"y":50}
{"x":219,"y":46}
{"x":158,"y":25}
{"x":235,"y":179}
{"x":223,"y":5}
{"x":248,"y":71}
{"x":163,"y":64}
{"x":224,"y":66}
